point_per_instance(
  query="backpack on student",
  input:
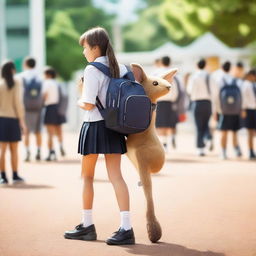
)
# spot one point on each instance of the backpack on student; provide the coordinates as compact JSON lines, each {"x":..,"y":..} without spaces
{"x":230,"y":98}
{"x":63,"y":101}
{"x":254,"y":89}
{"x":179,"y":104}
{"x":33,"y":99}
{"x":128,"y":109}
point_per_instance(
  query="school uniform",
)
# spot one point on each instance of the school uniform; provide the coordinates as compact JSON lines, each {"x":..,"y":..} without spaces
{"x":52,"y":117}
{"x":11,"y":110}
{"x":225,"y":122}
{"x":94,"y":137}
{"x":33,"y":119}
{"x":249,"y":92}
{"x":167,"y":109}
{"x":200,"y":95}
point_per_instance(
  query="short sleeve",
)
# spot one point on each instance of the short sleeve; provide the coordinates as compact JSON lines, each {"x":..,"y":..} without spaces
{"x":90,"y":85}
{"x":45,"y":87}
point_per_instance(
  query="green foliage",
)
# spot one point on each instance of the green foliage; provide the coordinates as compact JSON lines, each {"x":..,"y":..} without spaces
{"x":233,"y":21}
{"x":65,"y":21}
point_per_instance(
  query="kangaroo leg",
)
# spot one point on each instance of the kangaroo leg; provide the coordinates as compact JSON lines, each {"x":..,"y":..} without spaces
{"x":153,"y":226}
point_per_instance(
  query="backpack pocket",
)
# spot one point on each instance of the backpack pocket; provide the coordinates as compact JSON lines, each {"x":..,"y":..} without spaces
{"x":137,"y":112}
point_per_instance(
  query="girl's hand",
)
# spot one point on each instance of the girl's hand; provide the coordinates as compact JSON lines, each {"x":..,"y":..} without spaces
{"x":215,"y":116}
{"x":243,"y":114}
{"x":23,"y":127}
{"x":85,"y":106}
{"x":80,"y":84}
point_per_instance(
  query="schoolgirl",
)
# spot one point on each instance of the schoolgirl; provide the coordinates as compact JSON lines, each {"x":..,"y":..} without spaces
{"x":249,"y":92}
{"x":53,"y":120}
{"x":167,"y":111}
{"x":96,"y":139}
{"x":11,"y":119}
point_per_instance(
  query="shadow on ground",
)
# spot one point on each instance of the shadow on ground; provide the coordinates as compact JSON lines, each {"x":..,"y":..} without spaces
{"x":166,"y":249}
{"x":27,"y":186}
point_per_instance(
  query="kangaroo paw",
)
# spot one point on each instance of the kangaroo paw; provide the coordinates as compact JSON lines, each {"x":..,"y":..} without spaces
{"x":154,"y":231}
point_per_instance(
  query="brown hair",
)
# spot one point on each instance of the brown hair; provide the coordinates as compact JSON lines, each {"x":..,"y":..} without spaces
{"x":49,"y":71}
{"x":99,"y":37}
{"x":7,"y":73}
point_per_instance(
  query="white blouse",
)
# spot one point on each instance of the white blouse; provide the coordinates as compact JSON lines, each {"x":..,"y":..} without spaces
{"x":50,"y":87}
{"x":96,"y":84}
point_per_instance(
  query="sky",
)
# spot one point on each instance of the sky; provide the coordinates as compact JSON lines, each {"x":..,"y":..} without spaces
{"x":124,"y":8}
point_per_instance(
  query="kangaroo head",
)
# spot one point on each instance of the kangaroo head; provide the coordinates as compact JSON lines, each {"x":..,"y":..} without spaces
{"x":155,"y":87}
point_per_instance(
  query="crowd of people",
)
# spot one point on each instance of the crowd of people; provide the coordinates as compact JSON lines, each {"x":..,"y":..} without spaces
{"x":227,"y":95}
{"x":27,"y":101}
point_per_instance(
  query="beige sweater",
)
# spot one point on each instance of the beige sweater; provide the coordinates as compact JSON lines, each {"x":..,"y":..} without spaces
{"x":11,"y":100}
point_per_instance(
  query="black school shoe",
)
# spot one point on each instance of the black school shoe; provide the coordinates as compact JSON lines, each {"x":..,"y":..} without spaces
{"x":82,"y":233}
{"x":17,"y":179}
{"x":3,"y":181}
{"x":121,"y":237}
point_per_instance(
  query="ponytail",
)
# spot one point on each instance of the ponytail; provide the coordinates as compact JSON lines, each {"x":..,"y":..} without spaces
{"x":7,"y":73}
{"x":99,"y":37}
{"x":113,"y":64}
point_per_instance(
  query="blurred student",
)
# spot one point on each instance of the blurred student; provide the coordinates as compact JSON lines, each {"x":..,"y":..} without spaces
{"x":167,"y":113}
{"x":33,"y":101}
{"x":53,"y":120}
{"x":11,"y":120}
{"x":238,"y":70}
{"x":228,"y":103}
{"x":249,"y":91}
{"x":200,"y":95}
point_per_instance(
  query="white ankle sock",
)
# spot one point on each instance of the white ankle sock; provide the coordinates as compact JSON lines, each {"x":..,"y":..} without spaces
{"x":125,"y":220}
{"x":87,"y":218}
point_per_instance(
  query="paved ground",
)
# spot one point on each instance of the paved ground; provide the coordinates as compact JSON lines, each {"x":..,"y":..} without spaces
{"x":206,"y":207}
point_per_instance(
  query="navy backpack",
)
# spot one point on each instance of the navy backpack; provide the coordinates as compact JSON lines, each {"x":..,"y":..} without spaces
{"x":128,"y":109}
{"x":33,"y":99}
{"x":230,"y":98}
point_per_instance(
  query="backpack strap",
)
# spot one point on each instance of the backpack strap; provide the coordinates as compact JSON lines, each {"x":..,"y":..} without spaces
{"x":103,"y":68}
{"x":129,"y":75}
{"x":208,"y":83}
{"x":254,"y":88}
{"x":178,"y":87}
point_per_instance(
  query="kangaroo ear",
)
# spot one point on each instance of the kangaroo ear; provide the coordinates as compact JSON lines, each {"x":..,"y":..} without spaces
{"x":138,"y":72}
{"x":169,"y":75}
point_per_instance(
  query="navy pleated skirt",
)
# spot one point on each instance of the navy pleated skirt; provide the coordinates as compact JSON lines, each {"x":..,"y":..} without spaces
{"x":95,"y":138}
{"x":250,"y":120}
{"x":9,"y":129}
{"x":166,"y":115}
{"x":52,"y":116}
{"x":229,"y":123}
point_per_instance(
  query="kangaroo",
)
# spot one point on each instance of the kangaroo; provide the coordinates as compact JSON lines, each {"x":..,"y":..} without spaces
{"x":144,"y":149}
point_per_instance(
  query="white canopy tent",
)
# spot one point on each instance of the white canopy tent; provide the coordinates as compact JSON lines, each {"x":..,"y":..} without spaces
{"x":184,"y":58}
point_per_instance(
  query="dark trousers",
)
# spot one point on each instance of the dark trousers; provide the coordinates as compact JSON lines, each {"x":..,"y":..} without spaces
{"x":202,"y":113}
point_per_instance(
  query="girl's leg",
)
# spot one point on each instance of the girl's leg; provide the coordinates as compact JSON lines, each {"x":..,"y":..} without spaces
{"x":163,"y":136}
{"x":38,"y":144}
{"x":224,"y":136}
{"x":125,"y":233}
{"x":236,"y":145}
{"x":88,"y":169}
{"x":86,"y":231}
{"x":113,"y":164}
{"x":60,"y":139}
{"x":51,"y":132}
{"x":14,"y":156}
{"x":26,"y":142}
{"x":14,"y":161}
{"x":250,"y":143}
{"x":3,"y":147}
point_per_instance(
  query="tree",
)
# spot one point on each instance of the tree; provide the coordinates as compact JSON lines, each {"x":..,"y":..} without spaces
{"x":181,"y":21}
{"x":65,"y":22}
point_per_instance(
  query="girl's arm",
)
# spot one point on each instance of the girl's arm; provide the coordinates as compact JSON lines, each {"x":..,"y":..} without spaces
{"x":85,"y":106}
